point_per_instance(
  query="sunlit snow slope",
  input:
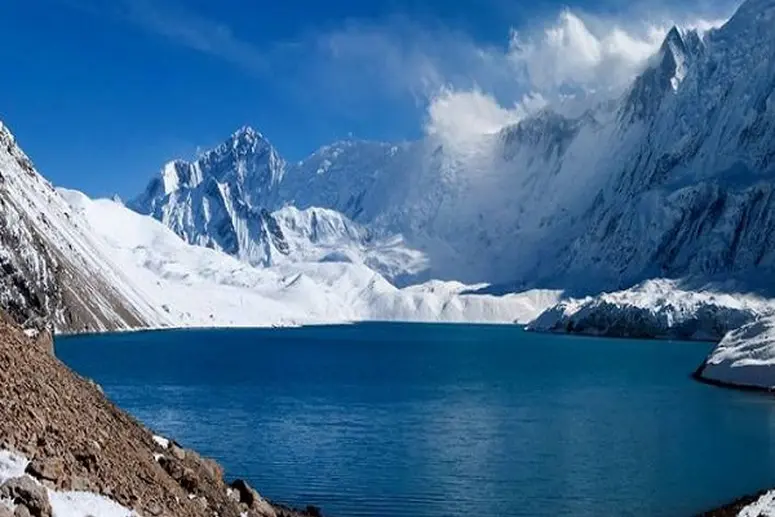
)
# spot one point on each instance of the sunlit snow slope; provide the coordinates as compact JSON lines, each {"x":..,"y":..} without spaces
{"x":198,"y":286}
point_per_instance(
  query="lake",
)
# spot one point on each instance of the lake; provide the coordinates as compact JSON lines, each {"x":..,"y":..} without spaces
{"x":391,"y":420}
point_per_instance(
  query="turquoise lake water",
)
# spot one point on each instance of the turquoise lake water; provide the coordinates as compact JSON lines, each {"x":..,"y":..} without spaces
{"x":392,"y":420}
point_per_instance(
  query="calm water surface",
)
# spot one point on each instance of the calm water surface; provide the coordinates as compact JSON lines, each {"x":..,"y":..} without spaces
{"x":390,"y":420}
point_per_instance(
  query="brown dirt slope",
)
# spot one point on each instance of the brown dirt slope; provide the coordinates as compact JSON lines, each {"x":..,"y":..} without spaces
{"x":76,"y":439}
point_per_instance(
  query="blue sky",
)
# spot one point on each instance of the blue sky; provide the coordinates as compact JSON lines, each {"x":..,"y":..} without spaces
{"x":101,"y":93}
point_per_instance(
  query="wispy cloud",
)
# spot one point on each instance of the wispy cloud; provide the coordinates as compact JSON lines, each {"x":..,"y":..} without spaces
{"x":189,"y":29}
{"x":181,"y":26}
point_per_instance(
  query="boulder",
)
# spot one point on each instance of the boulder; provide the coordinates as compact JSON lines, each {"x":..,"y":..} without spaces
{"x":177,"y":451}
{"x":252,"y":499}
{"x":49,"y":469}
{"x":45,"y":341}
{"x":153,"y":509}
{"x":81,"y":484}
{"x":24,"y":491}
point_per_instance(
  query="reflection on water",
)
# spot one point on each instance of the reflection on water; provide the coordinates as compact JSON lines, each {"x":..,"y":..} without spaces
{"x":434,"y":420}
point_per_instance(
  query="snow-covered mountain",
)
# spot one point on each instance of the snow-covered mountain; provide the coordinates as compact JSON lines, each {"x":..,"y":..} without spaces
{"x":231,"y":200}
{"x":477,"y":213}
{"x":53,"y":272}
{"x":692,"y":196}
{"x":674,"y":180}
{"x":77,"y":264}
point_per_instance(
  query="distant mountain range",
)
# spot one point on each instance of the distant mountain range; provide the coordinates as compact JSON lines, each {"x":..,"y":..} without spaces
{"x":673,"y":180}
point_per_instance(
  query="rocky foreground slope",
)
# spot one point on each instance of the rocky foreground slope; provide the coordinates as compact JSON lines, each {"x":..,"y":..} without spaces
{"x":64,"y":448}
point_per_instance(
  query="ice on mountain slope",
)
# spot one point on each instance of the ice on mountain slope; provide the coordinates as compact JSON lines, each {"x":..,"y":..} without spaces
{"x":52,"y":275}
{"x":323,"y":235}
{"x":197,"y":286}
{"x":661,"y":309}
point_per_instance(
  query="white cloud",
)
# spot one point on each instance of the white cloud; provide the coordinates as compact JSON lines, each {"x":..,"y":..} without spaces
{"x":469,"y":89}
{"x":461,"y":116}
{"x":591,"y":58}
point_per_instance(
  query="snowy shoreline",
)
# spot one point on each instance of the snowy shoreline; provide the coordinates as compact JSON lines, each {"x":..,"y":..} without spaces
{"x":280,"y":327}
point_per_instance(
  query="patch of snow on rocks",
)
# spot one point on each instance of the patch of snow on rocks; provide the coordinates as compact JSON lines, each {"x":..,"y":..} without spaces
{"x":85,"y":504}
{"x":161,"y":441}
{"x":763,"y":507}
{"x":11,"y":465}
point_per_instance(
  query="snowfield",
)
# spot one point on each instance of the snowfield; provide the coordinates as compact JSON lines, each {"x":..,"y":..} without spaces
{"x":659,"y":309}
{"x":193,"y":286}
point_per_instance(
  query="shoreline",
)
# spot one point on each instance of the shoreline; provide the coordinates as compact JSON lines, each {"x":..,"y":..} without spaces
{"x":732,"y":509}
{"x":62,"y":435}
{"x":697,"y":376}
{"x":275,"y":326}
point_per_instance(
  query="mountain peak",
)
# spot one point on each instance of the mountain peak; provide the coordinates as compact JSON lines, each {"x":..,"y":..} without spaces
{"x":665,"y":73}
{"x":247,"y":133}
{"x":673,"y":43}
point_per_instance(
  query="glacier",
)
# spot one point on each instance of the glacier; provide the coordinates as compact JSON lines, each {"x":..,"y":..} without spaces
{"x":195,"y":286}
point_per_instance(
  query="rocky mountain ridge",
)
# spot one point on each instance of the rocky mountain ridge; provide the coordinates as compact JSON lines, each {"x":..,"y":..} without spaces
{"x":53,"y":276}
